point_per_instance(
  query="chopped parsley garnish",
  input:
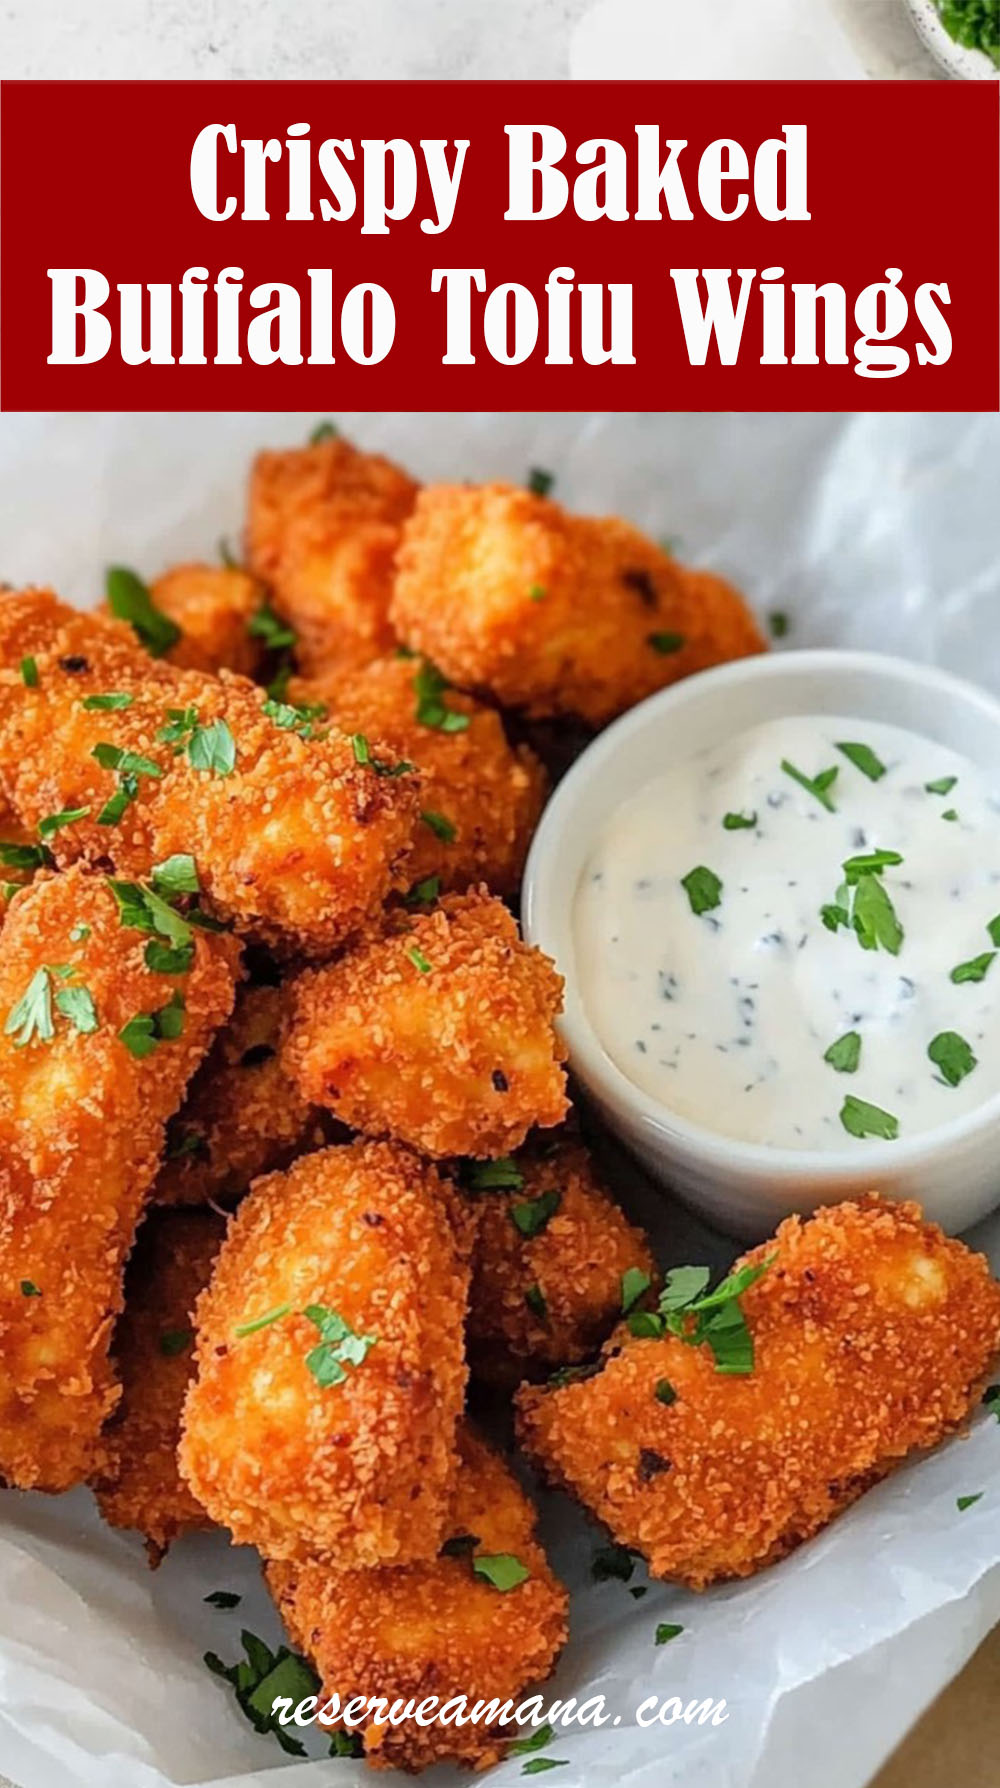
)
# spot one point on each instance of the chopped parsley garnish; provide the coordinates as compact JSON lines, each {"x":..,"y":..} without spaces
{"x":324,"y":431}
{"x":24,"y":856}
{"x":965,"y":1502}
{"x":664,"y":1392}
{"x":175,"y":875}
{"x":29,"y":673}
{"x":147,"y":1030}
{"x":299,"y":717}
{"x":778,"y":623}
{"x":127,"y":763}
{"x":419,"y":960}
{"x":863,"y":758}
{"x":32,"y":1015}
{"x":666,"y":1631}
{"x":262,"y":1322}
{"x":993,"y":927}
{"x":845,"y":1053}
{"x":943,"y":786}
{"x":872,"y":863}
{"x":537,"y":1742}
{"x":976,"y":970}
{"x":29,"y":1289}
{"x":698,"y":1316}
{"x":534,"y":1297}
{"x":212,"y":748}
{"x":363,"y":755}
{"x":703,"y":889}
{"x":265,"y":625}
{"x":817,"y":786}
{"x":441,"y":827}
{"x":534,"y":1214}
{"x":634,"y":1283}
{"x":223,"y":1598}
{"x":175,"y":1341}
{"x":501,"y":1569}
{"x":424,"y":893}
{"x":862,"y":903}
{"x":432,"y":710}
{"x":537,"y":1765}
{"x":339,"y":1349}
{"x":540,"y":482}
{"x":861,"y":1119}
{"x":165,"y":959}
{"x":666,"y":643}
{"x":77,"y":1004}
{"x":537,"y":592}
{"x":501,"y":1175}
{"x":739,"y":822}
{"x":263,"y":1678}
{"x":142,"y":909}
{"x":79,"y":934}
{"x":952,"y":1056}
{"x":54,"y":822}
{"x":129,"y":599}
{"x":107,"y":703}
{"x":951,"y":813}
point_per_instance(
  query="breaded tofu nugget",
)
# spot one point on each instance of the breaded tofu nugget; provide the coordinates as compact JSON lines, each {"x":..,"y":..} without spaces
{"x":553,"y":613}
{"x":330,"y":1362}
{"x":551,"y":1253}
{"x":293,"y":839}
{"x":439,"y":1031}
{"x":137,"y":1482}
{"x":486,"y":1619}
{"x":873,"y":1335}
{"x":215,"y":607}
{"x":322,"y":530}
{"x":243,"y":1115}
{"x":482,"y":797}
{"x":96,"y":1050}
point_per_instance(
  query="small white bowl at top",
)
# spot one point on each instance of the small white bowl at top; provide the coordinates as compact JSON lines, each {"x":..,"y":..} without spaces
{"x":746,"y":1188}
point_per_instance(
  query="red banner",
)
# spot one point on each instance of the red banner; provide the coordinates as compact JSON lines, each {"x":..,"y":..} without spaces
{"x":424,"y":245}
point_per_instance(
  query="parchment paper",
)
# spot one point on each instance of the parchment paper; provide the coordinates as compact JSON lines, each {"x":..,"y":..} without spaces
{"x":868,"y":531}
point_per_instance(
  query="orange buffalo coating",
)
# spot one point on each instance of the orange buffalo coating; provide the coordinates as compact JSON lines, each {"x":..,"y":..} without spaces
{"x":322,"y":529}
{"x":547,"y":1267}
{"x":214,"y":606}
{"x":437,"y":1031}
{"x":81,"y":1128}
{"x":555,"y":613}
{"x":137,"y":1482}
{"x":874,"y":1334}
{"x":276,"y":1449}
{"x":293,"y":839}
{"x":243,"y":1115}
{"x":438,"y":1628}
{"x":482,"y":796}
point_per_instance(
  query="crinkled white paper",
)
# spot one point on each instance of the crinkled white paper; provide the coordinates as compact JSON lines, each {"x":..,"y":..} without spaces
{"x":868,"y":531}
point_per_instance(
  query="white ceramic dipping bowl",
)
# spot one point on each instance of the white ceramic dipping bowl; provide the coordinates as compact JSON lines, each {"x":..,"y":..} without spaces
{"x":746,"y":1188}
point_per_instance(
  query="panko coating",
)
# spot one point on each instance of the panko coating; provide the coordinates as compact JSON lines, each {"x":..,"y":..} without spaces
{"x":438,"y":1031}
{"x":322,"y":530}
{"x":330,"y":1361}
{"x":137,"y":1482}
{"x":439,"y":1628}
{"x":215,"y":607}
{"x":95,"y":1053}
{"x":873,"y":1335}
{"x":294,"y":840}
{"x":243,"y":1115}
{"x":482,"y":796}
{"x":549,"y":1259}
{"x":552,"y":613}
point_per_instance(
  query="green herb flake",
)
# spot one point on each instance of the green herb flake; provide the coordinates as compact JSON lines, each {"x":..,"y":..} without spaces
{"x":666,"y":643}
{"x":874,"y":917}
{"x":32,"y":1015}
{"x":501,"y":1175}
{"x":324,"y":431}
{"x":212,"y":748}
{"x":223,"y":1598}
{"x":966,"y":1502}
{"x":77,"y":1005}
{"x":871,"y":863}
{"x":540,"y":482}
{"x":664,"y":1392}
{"x":54,"y":822}
{"x":703,"y":889}
{"x":29,"y":673}
{"x":29,"y":1289}
{"x":142,"y":909}
{"x":537,"y":592}
{"x":952,"y":1056}
{"x":845,"y":1053}
{"x":441,"y":827}
{"x":943,"y":786}
{"x":818,"y":786}
{"x":129,"y":600}
{"x":419,"y":960}
{"x":536,"y":1766}
{"x":863,"y":758}
{"x":262,"y":1322}
{"x":107,"y":703}
{"x":274,"y":633}
{"x":951,"y":813}
{"x":175,"y":875}
{"x":339,"y":1350}
{"x":432,"y":710}
{"x":976,"y":970}
{"x":534,"y":1297}
{"x":24,"y":856}
{"x":79,"y":934}
{"x":175,"y":1341}
{"x":700,"y":1317}
{"x":297,"y":717}
{"x":537,"y":1742}
{"x":861,"y":1119}
{"x":635,"y":1283}
{"x":666,"y":1631}
{"x":127,"y":763}
{"x":263,"y":1678}
{"x":533,"y":1215}
{"x":147,"y":1030}
{"x":739,"y":822}
{"x":424,"y":893}
{"x":165,"y":959}
{"x":501,"y":1569}
{"x":778,"y":623}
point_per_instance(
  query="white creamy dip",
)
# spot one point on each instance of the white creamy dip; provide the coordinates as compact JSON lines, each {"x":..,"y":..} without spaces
{"x":727,"y":1015}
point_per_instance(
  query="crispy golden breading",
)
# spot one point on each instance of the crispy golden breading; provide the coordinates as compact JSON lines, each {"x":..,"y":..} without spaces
{"x":243,"y":1115}
{"x":438,"y":1031}
{"x":299,"y":844}
{"x":547,"y":1266}
{"x":322,"y":529}
{"x":276,"y":1449}
{"x":137,"y":1482}
{"x":554,"y":613}
{"x":213,"y":605}
{"x":81,"y":1129}
{"x":438,"y":1628}
{"x":483,"y":796}
{"x":874,"y":1334}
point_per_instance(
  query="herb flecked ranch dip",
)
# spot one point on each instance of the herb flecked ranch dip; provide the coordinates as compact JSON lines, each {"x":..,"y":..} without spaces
{"x":791,"y":938}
